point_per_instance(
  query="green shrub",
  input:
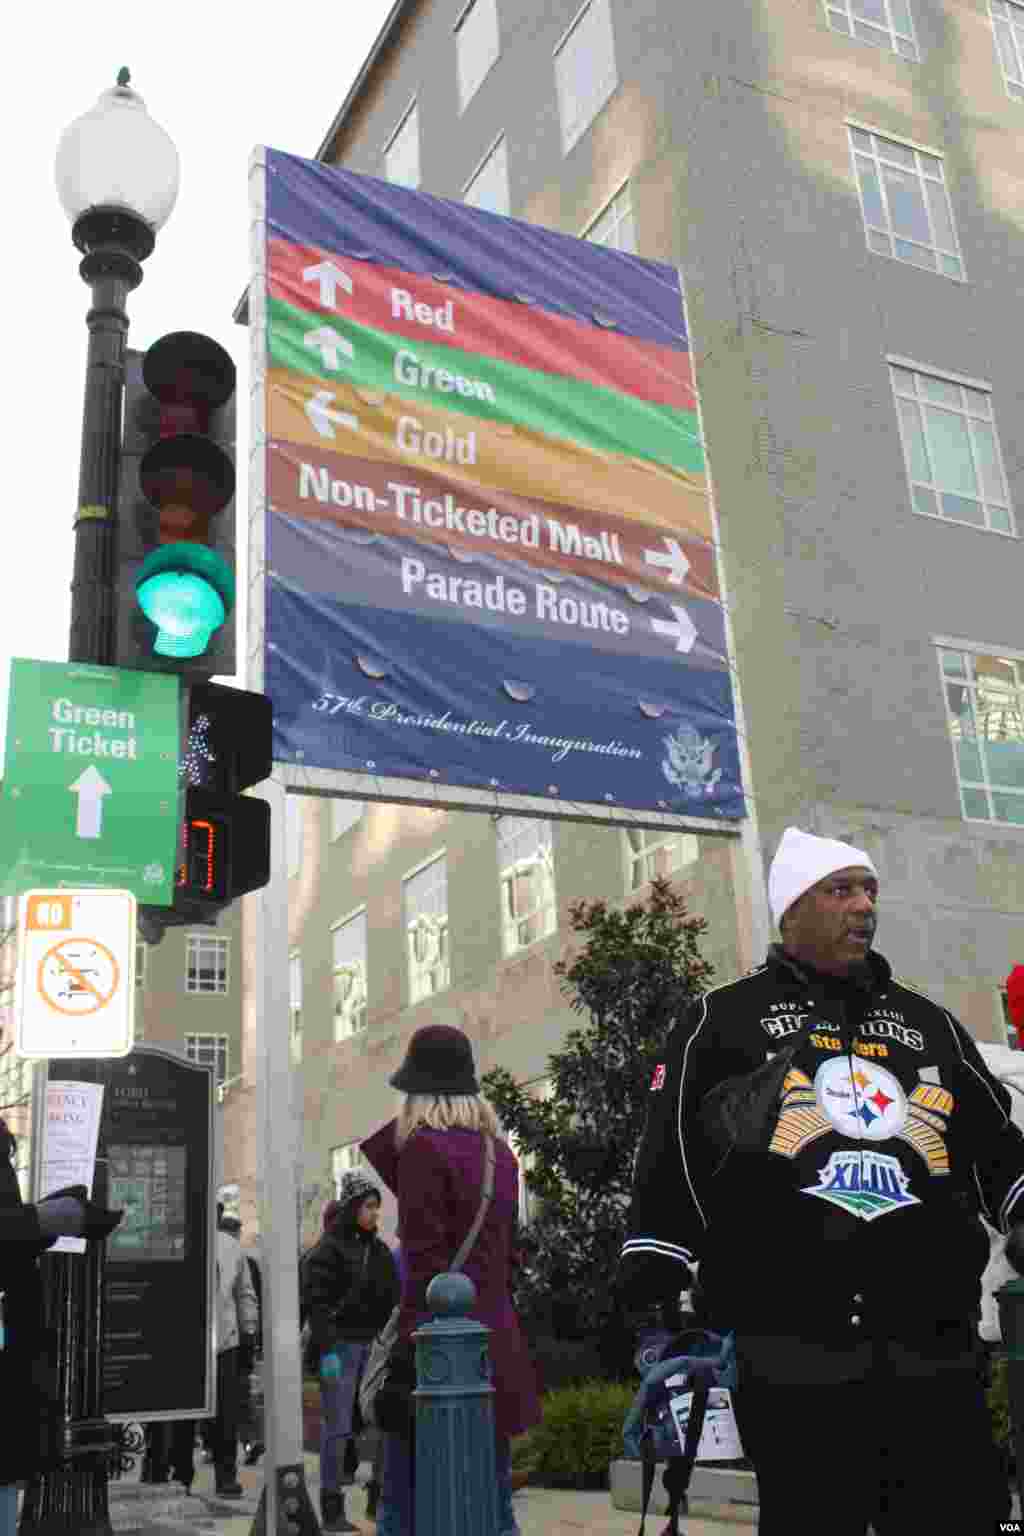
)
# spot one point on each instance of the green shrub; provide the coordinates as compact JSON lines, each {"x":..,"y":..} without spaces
{"x":999,"y":1402}
{"x":580,"y":1433}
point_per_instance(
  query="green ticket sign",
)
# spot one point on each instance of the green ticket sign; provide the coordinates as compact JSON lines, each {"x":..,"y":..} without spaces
{"x":90,"y":793}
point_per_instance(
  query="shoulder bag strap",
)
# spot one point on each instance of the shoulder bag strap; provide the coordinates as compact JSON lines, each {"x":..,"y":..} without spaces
{"x":466,"y":1246}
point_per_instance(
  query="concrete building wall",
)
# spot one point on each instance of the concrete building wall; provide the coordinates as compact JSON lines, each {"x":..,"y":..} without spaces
{"x":731,"y":125}
{"x":512,"y":1008}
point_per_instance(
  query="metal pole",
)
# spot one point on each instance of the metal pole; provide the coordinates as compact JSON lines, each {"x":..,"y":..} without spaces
{"x":71,"y":1495}
{"x":285,"y":1504}
{"x":92,"y":584}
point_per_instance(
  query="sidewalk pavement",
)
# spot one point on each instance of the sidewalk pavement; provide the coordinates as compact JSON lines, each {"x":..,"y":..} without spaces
{"x":540,"y":1511}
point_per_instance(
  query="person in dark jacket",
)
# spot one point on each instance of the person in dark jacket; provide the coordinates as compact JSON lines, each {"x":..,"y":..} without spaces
{"x":432,"y":1157}
{"x":349,"y":1288}
{"x":28,"y":1369}
{"x":845,"y":1252}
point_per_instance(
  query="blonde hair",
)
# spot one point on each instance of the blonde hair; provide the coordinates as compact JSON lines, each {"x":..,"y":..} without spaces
{"x":444,"y":1112}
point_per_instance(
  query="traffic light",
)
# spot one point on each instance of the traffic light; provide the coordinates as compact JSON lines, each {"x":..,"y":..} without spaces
{"x":176,"y":509}
{"x":224,"y":840}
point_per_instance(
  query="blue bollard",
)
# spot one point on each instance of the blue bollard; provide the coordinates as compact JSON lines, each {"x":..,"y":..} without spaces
{"x":456,"y":1473}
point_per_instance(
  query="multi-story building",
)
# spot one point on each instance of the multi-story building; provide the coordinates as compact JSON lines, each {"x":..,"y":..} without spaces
{"x":188,"y":999}
{"x":189,"y":995}
{"x":401,"y":916}
{"x":839,"y":182}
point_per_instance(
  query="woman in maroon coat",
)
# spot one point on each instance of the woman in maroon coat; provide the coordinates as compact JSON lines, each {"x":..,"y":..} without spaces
{"x":432,"y":1158}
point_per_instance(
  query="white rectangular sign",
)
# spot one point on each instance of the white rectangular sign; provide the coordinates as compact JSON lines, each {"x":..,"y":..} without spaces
{"x":75,"y":986}
{"x":70,"y":1138}
{"x":720,"y":1437}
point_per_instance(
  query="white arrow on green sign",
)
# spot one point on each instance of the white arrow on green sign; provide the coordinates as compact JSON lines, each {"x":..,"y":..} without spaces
{"x":90,"y":795}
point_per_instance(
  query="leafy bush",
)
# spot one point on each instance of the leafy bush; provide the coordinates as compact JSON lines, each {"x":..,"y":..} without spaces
{"x":581,"y":1432}
{"x":633,"y":974}
{"x":563,"y":1362}
{"x":999,"y":1403}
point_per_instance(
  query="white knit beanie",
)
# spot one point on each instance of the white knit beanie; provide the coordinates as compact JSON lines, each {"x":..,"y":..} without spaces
{"x":801,"y":860}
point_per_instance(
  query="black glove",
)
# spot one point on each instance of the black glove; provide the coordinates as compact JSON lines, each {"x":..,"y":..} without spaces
{"x":1015,"y":1246}
{"x":68,"y":1213}
{"x":648,"y":1288}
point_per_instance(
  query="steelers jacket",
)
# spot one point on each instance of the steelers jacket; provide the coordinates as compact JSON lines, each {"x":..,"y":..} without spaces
{"x":862,"y":1214}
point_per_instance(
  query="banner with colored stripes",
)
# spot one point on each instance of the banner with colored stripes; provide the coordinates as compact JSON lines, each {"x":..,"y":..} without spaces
{"x":488,"y":540}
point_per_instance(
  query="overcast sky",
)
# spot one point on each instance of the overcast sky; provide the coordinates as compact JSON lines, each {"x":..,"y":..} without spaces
{"x":220,"y":78}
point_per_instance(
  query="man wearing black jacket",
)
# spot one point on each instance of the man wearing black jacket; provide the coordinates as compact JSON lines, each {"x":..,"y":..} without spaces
{"x":349,"y":1287}
{"x":32,"y":1424}
{"x":846,"y":1252}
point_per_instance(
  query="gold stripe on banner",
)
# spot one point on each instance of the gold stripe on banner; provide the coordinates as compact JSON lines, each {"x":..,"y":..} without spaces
{"x":343,"y":419}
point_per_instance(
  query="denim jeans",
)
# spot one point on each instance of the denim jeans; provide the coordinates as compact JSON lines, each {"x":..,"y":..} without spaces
{"x":337,"y":1399}
{"x":395,"y":1515}
{"x":8,"y":1510}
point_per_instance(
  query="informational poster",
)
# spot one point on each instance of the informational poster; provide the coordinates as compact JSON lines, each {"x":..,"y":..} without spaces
{"x":149,"y":1184}
{"x":71,"y":1134}
{"x":488,"y":537}
{"x":719,"y":1437}
{"x":156,"y":1165}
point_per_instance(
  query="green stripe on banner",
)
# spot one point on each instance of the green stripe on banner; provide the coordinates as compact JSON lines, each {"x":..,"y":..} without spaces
{"x":484,"y":387}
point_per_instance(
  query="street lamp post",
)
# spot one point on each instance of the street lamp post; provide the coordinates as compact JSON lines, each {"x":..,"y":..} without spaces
{"x":117,"y":178}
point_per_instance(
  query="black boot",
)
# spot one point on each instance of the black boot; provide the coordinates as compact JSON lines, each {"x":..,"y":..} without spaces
{"x":372,"y":1498}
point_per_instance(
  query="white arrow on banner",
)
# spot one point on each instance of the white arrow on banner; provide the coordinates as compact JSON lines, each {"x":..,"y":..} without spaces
{"x":90,"y":787}
{"x":320,"y":414}
{"x":330,"y":278}
{"x":330,"y":345}
{"x":675,"y":562}
{"x":683,"y":631}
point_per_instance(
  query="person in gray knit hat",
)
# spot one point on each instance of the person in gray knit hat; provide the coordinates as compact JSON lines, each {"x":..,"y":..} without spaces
{"x":349,"y":1286}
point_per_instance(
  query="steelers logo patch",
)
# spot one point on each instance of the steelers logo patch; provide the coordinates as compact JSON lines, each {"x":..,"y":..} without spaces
{"x":860,"y":1100}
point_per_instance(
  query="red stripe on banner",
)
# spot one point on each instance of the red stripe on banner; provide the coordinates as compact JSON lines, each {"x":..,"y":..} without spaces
{"x":422,"y":308}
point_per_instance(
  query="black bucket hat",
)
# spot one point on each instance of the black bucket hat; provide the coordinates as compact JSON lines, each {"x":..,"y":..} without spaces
{"x":439,"y":1059}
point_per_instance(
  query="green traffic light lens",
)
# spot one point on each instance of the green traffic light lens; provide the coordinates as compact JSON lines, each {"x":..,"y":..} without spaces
{"x":185,"y":609}
{"x":187,"y":591}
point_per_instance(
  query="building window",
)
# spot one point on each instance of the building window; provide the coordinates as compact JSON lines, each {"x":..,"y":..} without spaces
{"x":653,"y":855}
{"x":141,"y":956}
{"x":614,"y":225}
{"x":209,"y":1051}
{"x":295,"y":1006}
{"x":585,"y":70}
{"x":529,"y":1203}
{"x":488,"y":186}
{"x":1008,"y":22}
{"x":348,"y":955}
{"x":886,"y":23}
{"x":206,"y":964}
{"x":985,"y":711}
{"x":906,"y":207}
{"x":344,"y":816}
{"x":527,"y":874}
{"x":951,"y":450}
{"x":425,"y":901}
{"x":402,"y":151}
{"x":476,"y":47}
{"x":345,"y":1159}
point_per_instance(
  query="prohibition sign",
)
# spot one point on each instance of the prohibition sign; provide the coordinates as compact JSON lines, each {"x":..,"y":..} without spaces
{"x":78,"y":977}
